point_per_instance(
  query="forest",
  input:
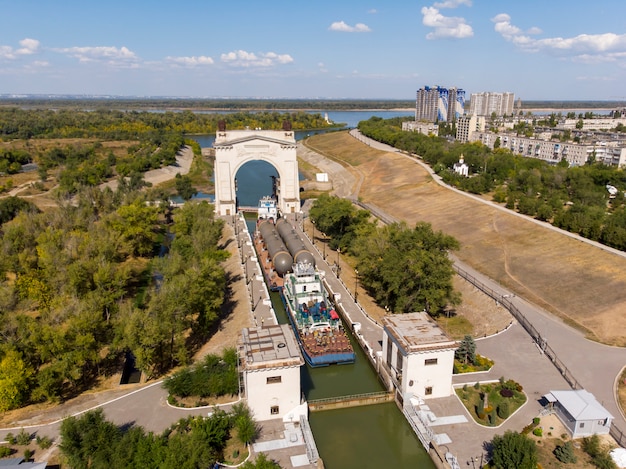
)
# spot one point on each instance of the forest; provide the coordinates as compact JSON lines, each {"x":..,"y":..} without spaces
{"x":103,"y":275}
{"x":575,"y":199}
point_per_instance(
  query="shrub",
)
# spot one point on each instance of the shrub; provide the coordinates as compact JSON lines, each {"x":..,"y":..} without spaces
{"x":503,"y":410}
{"x":565,"y":453}
{"x":504,"y":392}
{"x":536,"y":420}
{"x":465,"y":387}
{"x":10,"y":438}
{"x":28,"y":454}
{"x":477,"y":385}
{"x":44,"y":442}
{"x":5,"y":451}
{"x":600,"y":456}
{"x":538,"y":431}
{"x":23,"y":438}
{"x":492,"y":417}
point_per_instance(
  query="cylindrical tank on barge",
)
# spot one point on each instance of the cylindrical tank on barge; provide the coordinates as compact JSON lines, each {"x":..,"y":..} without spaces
{"x":294,"y":243}
{"x":280,"y":256}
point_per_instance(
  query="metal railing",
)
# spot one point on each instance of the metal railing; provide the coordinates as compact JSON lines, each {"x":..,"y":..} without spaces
{"x":309,"y":441}
{"x":351,"y":397}
{"x":614,"y":431}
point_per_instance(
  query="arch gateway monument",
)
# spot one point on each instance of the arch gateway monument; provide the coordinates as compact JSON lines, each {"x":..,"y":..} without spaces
{"x":234,"y":148}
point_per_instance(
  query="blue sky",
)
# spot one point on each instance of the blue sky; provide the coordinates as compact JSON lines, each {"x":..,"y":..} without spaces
{"x":549,"y":49}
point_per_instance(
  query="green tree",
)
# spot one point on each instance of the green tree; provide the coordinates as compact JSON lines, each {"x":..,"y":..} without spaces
{"x":184,"y":187}
{"x":261,"y":462}
{"x":247,"y":428}
{"x":466,"y":351}
{"x":137,"y":224}
{"x":89,"y":441}
{"x":339,"y":219}
{"x":407,"y":269}
{"x":15,"y":378}
{"x":513,"y":451}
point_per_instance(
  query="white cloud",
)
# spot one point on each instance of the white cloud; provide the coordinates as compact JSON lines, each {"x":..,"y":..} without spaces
{"x":607,"y":47}
{"x":241,"y":58}
{"x":6,"y":52}
{"x":346,"y":28}
{"x":28,"y":47}
{"x":110,"y":54}
{"x":445,"y":26}
{"x":190,"y":61}
{"x":452,"y":3}
{"x":372,"y":11}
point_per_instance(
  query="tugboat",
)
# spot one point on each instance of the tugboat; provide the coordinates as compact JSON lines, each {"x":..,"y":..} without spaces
{"x":318,"y":327}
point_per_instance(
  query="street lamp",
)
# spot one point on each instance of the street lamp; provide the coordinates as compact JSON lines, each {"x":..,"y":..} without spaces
{"x":338,"y":267}
{"x":356,"y":284}
{"x":313,"y":232}
{"x":324,"y":244}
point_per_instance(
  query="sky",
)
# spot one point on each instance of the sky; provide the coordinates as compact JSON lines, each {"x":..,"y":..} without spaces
{"x":330,"y":49}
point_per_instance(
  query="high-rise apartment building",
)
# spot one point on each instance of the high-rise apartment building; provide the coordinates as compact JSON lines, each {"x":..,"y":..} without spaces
{"x":487,"y":103}
{"x":437,"y":104}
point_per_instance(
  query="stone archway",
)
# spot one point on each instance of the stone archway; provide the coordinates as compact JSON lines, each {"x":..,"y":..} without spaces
{"x":234,"y":148}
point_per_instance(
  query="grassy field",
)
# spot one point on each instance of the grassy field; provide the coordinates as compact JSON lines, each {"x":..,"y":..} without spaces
{"x":580,"y":283}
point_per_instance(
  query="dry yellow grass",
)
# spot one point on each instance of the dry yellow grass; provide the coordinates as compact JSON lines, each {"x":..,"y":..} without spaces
{"x":582,"y":284}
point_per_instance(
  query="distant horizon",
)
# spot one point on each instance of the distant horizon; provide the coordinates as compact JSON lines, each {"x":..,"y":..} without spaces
{"x":233,"y":99}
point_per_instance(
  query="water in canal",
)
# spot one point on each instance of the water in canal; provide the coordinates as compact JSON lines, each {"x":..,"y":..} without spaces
{"x":369,"y":436}
{"x":359,"y":437}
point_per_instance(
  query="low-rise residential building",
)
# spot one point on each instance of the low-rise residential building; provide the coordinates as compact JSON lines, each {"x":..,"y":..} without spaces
{"x":600,"y":123}
{"x":552,"y":151}
{"x":418,"y":355}
{"x":422,"y":127}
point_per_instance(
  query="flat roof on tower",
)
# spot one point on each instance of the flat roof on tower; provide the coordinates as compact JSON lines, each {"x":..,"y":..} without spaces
{"x":416,"y":332}
{"x":269,"y":347}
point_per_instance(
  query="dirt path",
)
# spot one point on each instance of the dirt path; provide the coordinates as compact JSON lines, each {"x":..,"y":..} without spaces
{"x":184,"y":158}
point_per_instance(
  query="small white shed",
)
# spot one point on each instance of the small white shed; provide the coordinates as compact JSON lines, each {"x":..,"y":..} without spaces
{"x":580,"y":412}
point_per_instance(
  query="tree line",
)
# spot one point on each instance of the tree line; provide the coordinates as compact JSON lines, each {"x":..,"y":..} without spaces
{"x":403,"y":268}
{"x":198,"y":104}
{"x":112,"y":124}
{"x":83,"y":285}
{"x":575,"y":199}
{"x":92,"y":442}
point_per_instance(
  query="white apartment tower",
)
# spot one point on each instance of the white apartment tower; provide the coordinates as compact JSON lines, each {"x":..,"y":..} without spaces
{"x":437,"y":104}
{"x":487,"y":103}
